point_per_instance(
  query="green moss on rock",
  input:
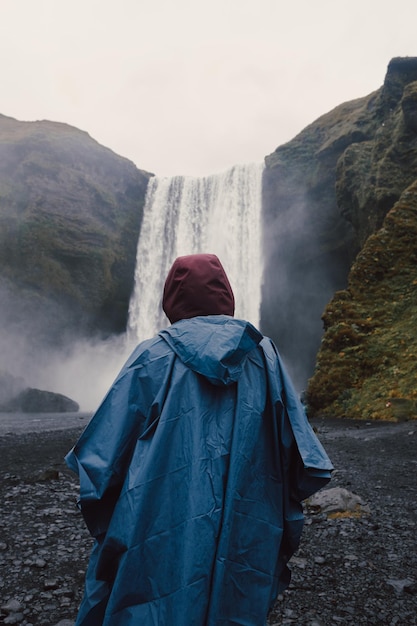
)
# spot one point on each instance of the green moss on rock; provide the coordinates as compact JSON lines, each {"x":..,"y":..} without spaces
{"x":367,"y":364}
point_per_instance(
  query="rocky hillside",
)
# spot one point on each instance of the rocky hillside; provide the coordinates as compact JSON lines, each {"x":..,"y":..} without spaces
{"x":367,"y":363}
{"x":70,"y":212}
{"x":366,"y":366}
{"x":329,"y":190}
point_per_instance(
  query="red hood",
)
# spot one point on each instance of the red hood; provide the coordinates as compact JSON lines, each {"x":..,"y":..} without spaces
{"x":197,"y":285}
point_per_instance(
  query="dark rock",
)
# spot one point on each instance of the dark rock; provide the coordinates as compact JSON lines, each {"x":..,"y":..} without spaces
{"x":12,"y":606}
{"x":411,"y":587}
{"x":38,"y":401}
{"x":48,"y":474}
{"x":16,"y":396}
{"x":401,"y":585}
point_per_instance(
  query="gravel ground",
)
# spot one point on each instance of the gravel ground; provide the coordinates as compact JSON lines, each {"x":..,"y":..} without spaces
{"x":351,"y":568}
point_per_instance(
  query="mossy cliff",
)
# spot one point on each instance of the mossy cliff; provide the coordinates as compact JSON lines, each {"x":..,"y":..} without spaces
{"x":330,"y":190}
{"x":70,"y":212}
{"x":371,"y":175}
{"x":367,"y":363}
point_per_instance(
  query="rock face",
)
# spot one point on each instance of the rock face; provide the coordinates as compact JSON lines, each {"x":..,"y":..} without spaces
{"x":308,"y":244}
{"x":329,"y":191}
{"x":366,"y":366}
{"x":366,"y":363}
{"x":70,"y":216}
{"x":371,"y":175}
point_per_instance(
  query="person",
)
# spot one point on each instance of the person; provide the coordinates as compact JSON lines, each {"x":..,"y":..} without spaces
{"x":194,"y":468}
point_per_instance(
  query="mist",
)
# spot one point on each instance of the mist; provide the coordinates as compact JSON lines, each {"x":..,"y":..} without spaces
{"x":300,"y":278}
{"x":83,"y":371}
{"x":40,"y":345}
{"x":45,"y":342}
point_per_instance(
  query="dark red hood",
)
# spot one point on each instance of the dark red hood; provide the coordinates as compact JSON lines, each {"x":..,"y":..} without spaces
{"x":197,"y":285}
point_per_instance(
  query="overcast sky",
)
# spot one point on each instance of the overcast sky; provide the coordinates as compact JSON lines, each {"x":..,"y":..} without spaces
{"x":193,"y":87}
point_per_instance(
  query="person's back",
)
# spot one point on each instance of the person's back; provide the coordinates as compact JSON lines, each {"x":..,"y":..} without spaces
{"x":193,"y":469}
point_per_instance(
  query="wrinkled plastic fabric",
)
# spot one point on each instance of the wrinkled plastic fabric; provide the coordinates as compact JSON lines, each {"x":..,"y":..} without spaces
{"x":192,"y":473}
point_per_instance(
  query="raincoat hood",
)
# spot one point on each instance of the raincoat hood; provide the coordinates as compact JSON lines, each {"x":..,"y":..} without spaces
{"x":197,"y":285}
{"x":215,"y":346}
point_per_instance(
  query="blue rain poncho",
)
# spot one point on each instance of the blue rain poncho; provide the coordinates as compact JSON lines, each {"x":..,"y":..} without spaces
{"x":192,"y":473}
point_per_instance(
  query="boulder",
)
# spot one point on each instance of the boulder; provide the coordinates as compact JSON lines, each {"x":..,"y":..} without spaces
{"x":336,"y":502}
{"x":38,"y":401}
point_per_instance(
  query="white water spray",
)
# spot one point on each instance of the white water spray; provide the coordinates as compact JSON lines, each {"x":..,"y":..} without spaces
{"x":219,"y":214}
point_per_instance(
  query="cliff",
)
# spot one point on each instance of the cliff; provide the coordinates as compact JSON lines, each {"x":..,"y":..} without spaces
{"x":70,"y":212}
{"x":330,"y":189}
{"x":366,"y":365}
{"x":309,"y":244}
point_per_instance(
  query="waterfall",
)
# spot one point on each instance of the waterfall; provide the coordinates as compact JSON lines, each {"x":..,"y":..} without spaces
{"x":217,"y":214}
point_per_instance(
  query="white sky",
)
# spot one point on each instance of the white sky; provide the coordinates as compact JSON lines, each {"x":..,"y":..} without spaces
{"x":193,"y":87}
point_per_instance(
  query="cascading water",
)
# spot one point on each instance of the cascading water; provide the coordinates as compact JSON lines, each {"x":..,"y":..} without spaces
{"x":219,"y":214}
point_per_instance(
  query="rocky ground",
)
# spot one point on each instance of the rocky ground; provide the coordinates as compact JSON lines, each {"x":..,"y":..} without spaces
{"x":352,"y":567}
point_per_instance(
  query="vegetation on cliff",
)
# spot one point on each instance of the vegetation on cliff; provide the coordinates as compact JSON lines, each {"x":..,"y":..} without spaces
{"x":70,"y":213}
{"x":367,"y":364}
{"x":347,"y":171}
